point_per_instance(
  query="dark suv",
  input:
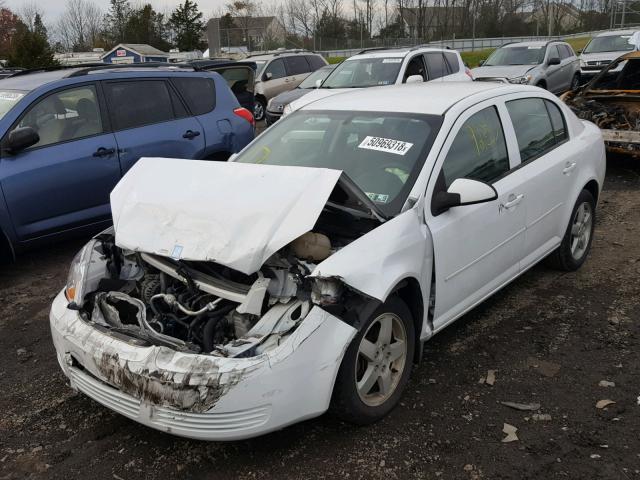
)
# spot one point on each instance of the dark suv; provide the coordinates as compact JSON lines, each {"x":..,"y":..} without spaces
{"x":69,"y":134}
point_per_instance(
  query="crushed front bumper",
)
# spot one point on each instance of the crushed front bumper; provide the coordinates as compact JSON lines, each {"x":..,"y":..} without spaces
{"x":202,"y":396}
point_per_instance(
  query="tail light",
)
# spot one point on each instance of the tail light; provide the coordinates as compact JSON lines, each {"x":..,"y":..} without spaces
{"x":246,"y":114}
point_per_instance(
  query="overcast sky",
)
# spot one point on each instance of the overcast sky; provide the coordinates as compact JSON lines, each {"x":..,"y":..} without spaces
{"x":53,"y":8}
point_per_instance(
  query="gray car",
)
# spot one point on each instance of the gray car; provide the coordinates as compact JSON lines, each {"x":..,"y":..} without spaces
{"x":276,"y":104}
{"x":550,"y":65}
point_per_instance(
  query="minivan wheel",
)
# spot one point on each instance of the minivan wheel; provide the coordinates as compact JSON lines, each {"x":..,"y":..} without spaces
{"x":575,"y":246}
{"x":376,"y":366}
{"x":259,"y":109}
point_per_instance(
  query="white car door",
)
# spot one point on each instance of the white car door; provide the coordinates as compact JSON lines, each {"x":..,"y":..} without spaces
{"x":550,"y":164}
{"x":477,"y":248}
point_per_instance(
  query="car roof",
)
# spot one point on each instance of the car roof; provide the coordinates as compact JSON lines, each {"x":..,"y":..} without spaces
{"x":271,"y":56}
{"x":537,"y":43}
{"x":431,"y":98}
{"x":396,"y":52}
{"x":28,"y":81}
{"x":611,"y":33}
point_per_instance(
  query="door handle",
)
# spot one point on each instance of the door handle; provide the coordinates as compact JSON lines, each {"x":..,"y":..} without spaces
{"x":513,"y":201}
{"x":104,"y":152}
{"x":569,"y":167}
{"x":190,"y":134}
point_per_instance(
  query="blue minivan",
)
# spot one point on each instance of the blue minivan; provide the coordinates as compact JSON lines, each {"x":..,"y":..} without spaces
{"x":69,"y":134}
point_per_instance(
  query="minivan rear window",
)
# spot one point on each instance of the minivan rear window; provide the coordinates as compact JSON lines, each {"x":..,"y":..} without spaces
{"x":198,"y":93}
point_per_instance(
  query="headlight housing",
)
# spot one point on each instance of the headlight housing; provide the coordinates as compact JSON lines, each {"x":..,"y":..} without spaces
{"x":87,"y":267}
{"x":287,"y":109}
{"x":582,"y":63}
{"x":521,"y":80}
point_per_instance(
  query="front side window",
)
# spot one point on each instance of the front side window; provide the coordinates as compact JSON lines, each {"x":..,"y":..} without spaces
{"x":479,"y":151}
{"x":609,"y":43}
{"x":312,"y":80}
{"x":364,"y":72}
{"x":516,"y":56}
{"x":553,"y":52}
{"x":64,"y":116}
{"x":276,"y":69}
{"x":135,"y":104}
{"x":415,"y":67}
{"x":436,"y":64}
{"x":533,"y":128}
{"x":382,"y":153}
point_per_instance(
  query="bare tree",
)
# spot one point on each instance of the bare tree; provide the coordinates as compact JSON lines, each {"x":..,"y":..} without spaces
{"x":28,"y":12}
{"x":79,"y":27}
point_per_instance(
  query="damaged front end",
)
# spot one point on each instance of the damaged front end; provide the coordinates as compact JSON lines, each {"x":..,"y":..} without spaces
{"x":612,"y":101}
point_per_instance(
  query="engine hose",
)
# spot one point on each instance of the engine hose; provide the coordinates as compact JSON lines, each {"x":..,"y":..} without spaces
{"x":171,"y":301}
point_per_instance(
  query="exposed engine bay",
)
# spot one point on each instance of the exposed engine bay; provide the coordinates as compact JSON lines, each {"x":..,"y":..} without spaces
{"x":205,"y":307}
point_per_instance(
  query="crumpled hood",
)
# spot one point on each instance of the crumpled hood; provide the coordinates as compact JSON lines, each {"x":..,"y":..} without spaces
{"x":506,"y":71}
{"x":317,"y":94}
{"x":234,"y":214}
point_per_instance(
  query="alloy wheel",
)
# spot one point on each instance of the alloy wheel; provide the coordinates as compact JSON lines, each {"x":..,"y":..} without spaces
{"x":258,"y":110}
{"x":581,"y":230}
{"x":382,"y":356}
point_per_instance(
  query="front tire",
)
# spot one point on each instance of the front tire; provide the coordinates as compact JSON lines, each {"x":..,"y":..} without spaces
{"x":576,"y":243}
{"x":376,"y":366}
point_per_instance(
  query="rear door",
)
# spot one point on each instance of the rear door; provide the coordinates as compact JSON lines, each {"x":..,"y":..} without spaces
{"x":64,"y":180}
{"x":240,"y":79}
{"x":550,"y":164}
{"x":150,"y":120}
{"x":298,"y":69}
{"x":436,"y":65}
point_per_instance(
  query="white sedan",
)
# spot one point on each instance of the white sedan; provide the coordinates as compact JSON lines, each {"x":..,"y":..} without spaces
{"x":232,"y":299}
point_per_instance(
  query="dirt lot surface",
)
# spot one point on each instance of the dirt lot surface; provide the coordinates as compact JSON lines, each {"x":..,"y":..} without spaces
{"x":550,"y":337}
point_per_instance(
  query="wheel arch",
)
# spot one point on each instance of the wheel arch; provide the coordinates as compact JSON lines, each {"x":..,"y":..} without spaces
{"x":409,"y":291}
{"x":593,"y":188}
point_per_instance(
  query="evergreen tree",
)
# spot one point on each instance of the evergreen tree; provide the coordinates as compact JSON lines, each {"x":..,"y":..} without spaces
{"x":116,"y":21}
{"x":145,"y":25}
{"x":31,"y":47}
{"x":186,"y":21}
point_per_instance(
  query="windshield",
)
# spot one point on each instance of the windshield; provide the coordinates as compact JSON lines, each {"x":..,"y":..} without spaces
{"x":364,"y":72}
{"x":310,"y":81}
{"x":610,"y":43}
{"x":516,"y":56}
{"x":259,"y":67}
{"x":8,"y":98}
{"x":382,"y":153}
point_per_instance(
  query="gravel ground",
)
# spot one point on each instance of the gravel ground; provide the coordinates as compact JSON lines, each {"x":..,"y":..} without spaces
{"x":549,"y":337}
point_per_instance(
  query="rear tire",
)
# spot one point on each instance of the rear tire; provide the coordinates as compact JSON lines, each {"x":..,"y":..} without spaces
{"x":376,"y":366}
{"x":576,"y":243}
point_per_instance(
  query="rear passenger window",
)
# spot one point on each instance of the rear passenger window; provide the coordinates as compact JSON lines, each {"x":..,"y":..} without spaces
{"x":479,"y":151}
{"x":436,"y":65}
{"x":315,"y":61}
{"x":557,"y":121}
{"x":297,"y":65}
{"x":276,"y":69}
{"x":134,"y":104}
{"x":198,"y":93}
{"x":452,"y":60}
{"x":533,"y":128}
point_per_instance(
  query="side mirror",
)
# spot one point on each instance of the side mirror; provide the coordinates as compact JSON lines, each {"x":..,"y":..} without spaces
{"x":553,"y":61}
{"x":415,"y":79}
{"x":318,"y":83}
{"x":481,"y":62}
{"x":267,"y":76}
{"x":463,"y":191}
{"x":21,"y":138}
{"x":579,"y":52}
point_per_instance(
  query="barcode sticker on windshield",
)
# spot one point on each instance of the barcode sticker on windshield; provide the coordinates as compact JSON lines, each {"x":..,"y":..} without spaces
{"x":392,"y":60}
{"x":388,"y":145}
